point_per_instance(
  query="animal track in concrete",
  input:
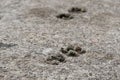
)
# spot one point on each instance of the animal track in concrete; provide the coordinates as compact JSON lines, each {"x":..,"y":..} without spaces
{"x":72,"y":50}
{"x":3,"y":45}
{"x":77,"y":10}
{"x":55,"y":59}
{"x":65,"y":16}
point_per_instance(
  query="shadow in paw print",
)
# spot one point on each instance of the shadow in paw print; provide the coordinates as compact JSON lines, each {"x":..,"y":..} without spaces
{"x":65,"y":16}
{"x":2,"y":45}
{"x":77,"y":10}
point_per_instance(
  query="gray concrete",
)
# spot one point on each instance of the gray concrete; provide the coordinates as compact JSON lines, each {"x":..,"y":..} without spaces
{"x":32,"y":27}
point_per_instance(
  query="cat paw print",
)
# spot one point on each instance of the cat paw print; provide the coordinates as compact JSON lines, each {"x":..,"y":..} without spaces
{"x":72,"y":50}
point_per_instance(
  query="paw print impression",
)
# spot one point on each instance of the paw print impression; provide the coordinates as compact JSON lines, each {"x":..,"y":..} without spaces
{"x":77,"y":10}
{"x":72,"y":50}
{"x":64,"y":16}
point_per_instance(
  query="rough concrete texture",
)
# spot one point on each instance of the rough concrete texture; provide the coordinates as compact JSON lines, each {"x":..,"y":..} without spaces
{"x":32,"y":27}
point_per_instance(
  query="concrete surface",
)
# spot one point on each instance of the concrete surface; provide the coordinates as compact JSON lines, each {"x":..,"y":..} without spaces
{"x":32,"y":27}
